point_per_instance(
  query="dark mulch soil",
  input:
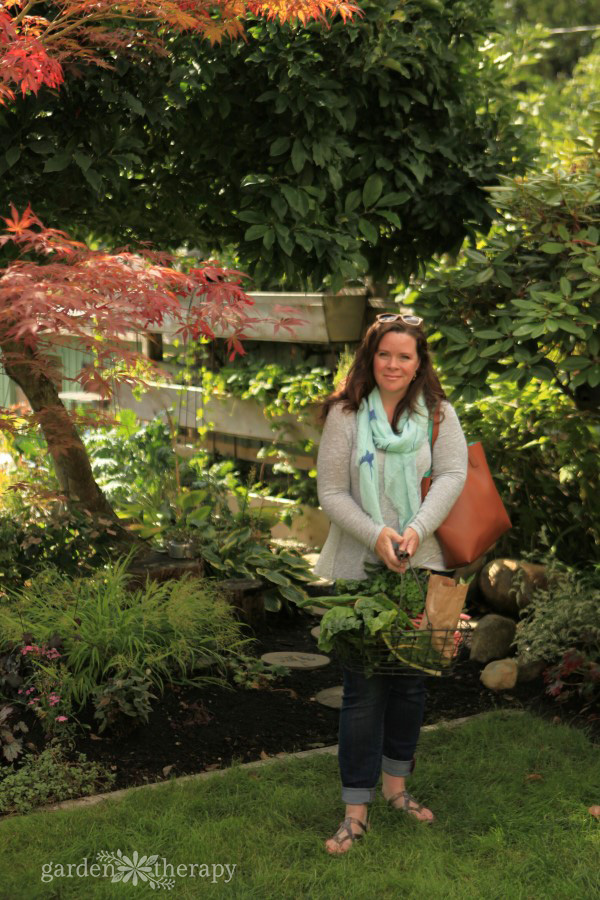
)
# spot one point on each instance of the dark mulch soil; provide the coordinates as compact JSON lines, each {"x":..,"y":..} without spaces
{"x":192,"y":730}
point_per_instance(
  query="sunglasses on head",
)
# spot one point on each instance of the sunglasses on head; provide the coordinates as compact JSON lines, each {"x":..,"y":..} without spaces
{"x":415,"y":321}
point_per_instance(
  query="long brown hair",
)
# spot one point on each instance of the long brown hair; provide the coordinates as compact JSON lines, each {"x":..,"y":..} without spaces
{"x":360,"y":380}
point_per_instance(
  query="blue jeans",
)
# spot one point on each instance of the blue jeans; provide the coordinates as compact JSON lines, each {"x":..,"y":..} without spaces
{"x":380,"y":722}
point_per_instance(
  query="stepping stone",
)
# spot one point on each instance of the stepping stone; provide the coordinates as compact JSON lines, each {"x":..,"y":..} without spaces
{"x":330,"y":697}
{"x":316,"y":631}
{"x":317,"y":610}
{"x":296,"y":660}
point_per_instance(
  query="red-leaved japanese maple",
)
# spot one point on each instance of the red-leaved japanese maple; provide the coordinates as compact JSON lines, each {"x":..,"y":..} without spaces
{"x":58,"y":290}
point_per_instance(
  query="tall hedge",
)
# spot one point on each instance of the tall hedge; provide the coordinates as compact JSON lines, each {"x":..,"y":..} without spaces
{"x":313,"y":152}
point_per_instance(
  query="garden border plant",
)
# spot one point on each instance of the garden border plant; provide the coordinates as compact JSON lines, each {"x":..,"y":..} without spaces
{"x":561,"y":627}
{"x":67,"y":642}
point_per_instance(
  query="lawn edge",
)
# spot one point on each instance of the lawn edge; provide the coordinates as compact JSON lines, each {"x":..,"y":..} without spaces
{"x":330,"y":750}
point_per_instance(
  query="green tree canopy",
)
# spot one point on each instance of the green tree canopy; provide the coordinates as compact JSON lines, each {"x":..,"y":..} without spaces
{"x":362,"y":148}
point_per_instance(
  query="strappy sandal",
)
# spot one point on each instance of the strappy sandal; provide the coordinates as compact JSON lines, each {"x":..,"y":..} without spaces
{"x":407,"y":805}
{"x":345,"y":833}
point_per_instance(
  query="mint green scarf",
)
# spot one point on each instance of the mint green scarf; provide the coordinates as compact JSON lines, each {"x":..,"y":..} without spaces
{"x":400,"y":471}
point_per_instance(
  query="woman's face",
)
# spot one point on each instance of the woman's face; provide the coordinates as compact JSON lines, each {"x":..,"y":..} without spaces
{"x":395,"y":363}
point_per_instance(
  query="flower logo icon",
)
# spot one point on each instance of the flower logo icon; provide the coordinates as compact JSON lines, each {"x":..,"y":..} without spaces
{"x":135,"y":868}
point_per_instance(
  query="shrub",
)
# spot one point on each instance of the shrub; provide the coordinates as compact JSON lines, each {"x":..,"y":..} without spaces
{"x":525,"y":306}
{"x":131,"y":456}
{"x":50,"y":777}
{"x":562,"y":627}
{"x":37,"y":530}
{"x":544,"y":457}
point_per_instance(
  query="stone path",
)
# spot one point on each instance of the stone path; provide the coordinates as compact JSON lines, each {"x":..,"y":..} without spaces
{"x":296,"y":660}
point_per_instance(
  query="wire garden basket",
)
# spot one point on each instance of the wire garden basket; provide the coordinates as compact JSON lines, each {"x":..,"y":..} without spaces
{"x":410,"y":647}
{"x":427,"y":651}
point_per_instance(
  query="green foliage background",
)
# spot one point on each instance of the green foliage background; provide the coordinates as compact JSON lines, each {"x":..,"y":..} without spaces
{"x":526,"y":304}
{"x":319,"y":153}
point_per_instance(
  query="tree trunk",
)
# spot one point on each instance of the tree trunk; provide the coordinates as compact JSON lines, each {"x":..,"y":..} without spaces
{"x":71,"y":462}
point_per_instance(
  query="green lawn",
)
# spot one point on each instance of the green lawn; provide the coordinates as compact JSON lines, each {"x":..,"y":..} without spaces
{"x":498,"y":835}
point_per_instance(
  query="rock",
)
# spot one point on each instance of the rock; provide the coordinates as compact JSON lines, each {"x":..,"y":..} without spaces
{"x":529,"y":669}
{"x":500,"y":675}
{"x":499,"y":582}
{"x":492,"y":638}
{"x":331,"y":697}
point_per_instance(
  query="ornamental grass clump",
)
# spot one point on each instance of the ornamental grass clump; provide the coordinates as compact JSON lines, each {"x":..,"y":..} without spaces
{"x":104,"y":630}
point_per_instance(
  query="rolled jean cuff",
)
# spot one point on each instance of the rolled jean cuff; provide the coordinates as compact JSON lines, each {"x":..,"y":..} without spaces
{"x":358,"y":795}
{"x":398,"y":767}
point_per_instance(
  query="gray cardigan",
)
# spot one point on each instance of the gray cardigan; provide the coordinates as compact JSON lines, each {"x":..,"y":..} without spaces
{"x":353,"y":533}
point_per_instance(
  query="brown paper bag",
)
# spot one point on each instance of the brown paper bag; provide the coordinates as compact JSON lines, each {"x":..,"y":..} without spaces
{"x":443,"y":606}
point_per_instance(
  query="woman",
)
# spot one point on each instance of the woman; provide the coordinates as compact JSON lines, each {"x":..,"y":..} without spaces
{"x":373,"y":454}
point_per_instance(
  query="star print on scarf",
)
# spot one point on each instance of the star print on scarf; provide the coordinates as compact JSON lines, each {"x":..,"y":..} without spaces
{"x":400,"y":468}
{"x":367,"y":458}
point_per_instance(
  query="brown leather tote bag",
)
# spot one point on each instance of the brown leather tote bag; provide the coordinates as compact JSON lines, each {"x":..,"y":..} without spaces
{"x":478,"y":518}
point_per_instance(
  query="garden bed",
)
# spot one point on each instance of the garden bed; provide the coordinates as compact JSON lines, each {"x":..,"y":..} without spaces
{"x":191,"y":730}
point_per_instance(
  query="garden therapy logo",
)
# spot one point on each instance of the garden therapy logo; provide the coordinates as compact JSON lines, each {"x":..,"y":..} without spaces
{"x":136,"y":869}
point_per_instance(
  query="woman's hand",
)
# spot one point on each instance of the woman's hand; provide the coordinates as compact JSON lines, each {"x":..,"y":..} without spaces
{"x":407,"y":542}
{"x":385,"y":550}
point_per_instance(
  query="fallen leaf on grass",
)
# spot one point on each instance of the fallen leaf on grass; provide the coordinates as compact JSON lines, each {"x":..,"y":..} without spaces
{"x":534,"y":777}
{"x":595,"y":811}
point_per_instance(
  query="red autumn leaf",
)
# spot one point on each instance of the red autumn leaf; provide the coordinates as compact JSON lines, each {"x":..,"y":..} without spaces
{"x":35,"y":48}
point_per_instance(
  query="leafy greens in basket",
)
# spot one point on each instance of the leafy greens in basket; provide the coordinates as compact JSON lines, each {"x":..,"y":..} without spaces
{"x":370,"y":619}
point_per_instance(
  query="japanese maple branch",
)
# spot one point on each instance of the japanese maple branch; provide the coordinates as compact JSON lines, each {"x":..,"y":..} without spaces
{"x":31,"y":3}
{"x":52,"y":36}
